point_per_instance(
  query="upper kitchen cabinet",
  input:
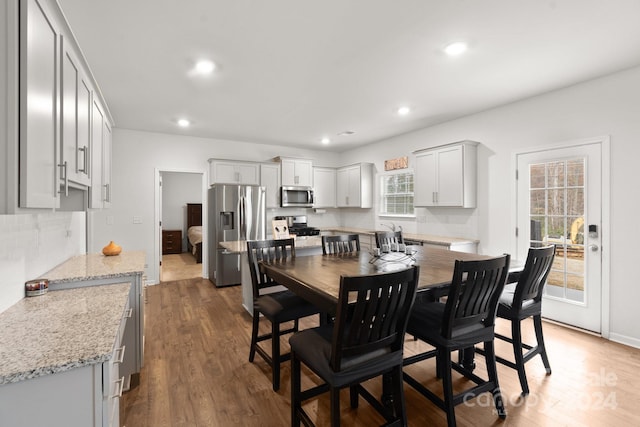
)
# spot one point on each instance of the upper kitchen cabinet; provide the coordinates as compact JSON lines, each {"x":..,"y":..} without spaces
{"x":57,"y":98}
{"x":296,"y":172}
{"x":270,"y":180}
{"x":39,"y":105}
{"x":354,"y":186}
{"x":231,"y":172}
{"x":324,"y":187}
{"x":76,"y":115}
{"x":446,"y":175}
{"x":100,"y":191}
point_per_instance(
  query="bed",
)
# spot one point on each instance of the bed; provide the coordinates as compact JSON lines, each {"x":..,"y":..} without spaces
{"x":194,"y":230}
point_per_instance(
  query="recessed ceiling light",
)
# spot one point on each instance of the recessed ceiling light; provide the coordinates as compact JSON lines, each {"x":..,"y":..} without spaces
{"x":456,"y":48}
{"x":403,"y":111}
{"x":183,"y":123}
{"x":325,"y":140}
{"x":204,"y":67}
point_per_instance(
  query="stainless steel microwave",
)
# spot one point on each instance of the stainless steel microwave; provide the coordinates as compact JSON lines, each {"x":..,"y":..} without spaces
{"x":298,"y":197}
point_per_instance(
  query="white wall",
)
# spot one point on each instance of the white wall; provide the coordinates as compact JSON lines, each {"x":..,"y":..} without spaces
{"x":32,"y":244}
{"x":136,"y":158}
{"x":605,"y":106}
{"x":178,"y":189}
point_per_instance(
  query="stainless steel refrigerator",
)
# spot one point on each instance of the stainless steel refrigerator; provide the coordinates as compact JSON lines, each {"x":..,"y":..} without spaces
{"x":236,"y":212}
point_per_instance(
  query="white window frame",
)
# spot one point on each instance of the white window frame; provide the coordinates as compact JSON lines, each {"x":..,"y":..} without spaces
{"x":381,"y":179}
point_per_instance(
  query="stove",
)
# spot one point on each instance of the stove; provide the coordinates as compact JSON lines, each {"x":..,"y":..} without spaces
{"x":298,"y":225}
{"x":304,"y":231}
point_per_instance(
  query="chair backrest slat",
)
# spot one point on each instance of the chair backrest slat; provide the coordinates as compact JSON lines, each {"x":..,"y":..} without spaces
{"x":268,"y":251}
{"x":534,"y":275}
{"x":474,"y":294}
{"x":340,"y":243}
{"x":388,"y":237}
{"x":372,"y":314}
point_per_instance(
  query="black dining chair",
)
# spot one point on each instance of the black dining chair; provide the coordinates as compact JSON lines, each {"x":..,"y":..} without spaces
{"x":340,"y":243}
{"x":466,"y":318}
{"x":277,"y":307}
{"x":521,"y":300}
{"x":366,"y":341}
{"x":388,"y":237}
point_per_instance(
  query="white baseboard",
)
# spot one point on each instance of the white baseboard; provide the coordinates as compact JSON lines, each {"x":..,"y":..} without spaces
{"x":623,"y":339}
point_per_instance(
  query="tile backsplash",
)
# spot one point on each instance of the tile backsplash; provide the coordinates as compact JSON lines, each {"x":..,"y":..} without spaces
{"x":32,"y":244}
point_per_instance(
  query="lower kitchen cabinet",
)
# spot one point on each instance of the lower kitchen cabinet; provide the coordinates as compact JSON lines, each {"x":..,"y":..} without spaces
{"x":84,"y":396}
{"x":75,"y":398}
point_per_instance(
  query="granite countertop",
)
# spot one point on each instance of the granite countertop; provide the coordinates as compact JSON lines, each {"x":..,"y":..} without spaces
{"x":60,"y":331}
{"x":426,"y":238}
{"x":97,"y":266}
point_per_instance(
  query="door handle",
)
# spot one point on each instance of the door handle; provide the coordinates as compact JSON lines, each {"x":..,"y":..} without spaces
{"x":594,"y":248}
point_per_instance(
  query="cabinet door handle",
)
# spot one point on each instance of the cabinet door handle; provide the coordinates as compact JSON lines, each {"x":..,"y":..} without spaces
{"x":120,"y":388}
{"x":84,"y":160}
{"x":120,"y":355}
{"x":107,"y":193}
{"x":63,"y":166}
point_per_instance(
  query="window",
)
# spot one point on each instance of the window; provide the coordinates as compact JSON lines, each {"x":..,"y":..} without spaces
{"x":397,"y":194}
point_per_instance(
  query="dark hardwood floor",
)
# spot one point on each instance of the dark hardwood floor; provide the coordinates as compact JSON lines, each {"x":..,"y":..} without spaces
{"x":196,"y":373}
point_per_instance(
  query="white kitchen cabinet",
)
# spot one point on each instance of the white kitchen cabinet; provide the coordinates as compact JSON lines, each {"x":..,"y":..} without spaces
{"x":296,"y":172}
{"x":96,"y":192}
{"x":270,"y":180}
{"x":355,"y":186}
{"x":232,"y":172}
{"x":106,"y":163}
{"x":324,"y":187}
{"x":446,"y":175}
{"x":39,"y":106}
{"x":57,"y":102}
{"x":76,"y":114}
{"x":100,"y":190}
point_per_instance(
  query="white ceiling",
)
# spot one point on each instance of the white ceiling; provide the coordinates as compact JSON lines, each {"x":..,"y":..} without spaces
{"x":292,"y":71}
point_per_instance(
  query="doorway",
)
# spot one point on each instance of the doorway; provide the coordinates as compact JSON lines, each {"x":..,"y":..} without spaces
{"x":560,"y":201}
{"x":176,"y":189}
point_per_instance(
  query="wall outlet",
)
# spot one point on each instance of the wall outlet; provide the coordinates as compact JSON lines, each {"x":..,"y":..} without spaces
{"x":137,"y":220}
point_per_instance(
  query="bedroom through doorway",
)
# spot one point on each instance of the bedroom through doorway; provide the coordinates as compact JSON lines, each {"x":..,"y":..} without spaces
{"x":180,"y":225}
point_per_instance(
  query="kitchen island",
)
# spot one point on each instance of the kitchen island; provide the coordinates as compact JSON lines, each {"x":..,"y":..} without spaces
{"x":59,"y":356}
{"x":97,"y":269}
{"x":305,"y":245}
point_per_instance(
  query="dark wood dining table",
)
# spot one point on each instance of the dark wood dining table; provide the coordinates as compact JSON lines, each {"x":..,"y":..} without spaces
{"x":317,"y":278}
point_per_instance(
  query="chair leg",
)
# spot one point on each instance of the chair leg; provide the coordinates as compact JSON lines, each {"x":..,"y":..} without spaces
{"x":335,"y":406}
{"x":254,"y":335}
{"x":444,"y":357}
{"x":516,"y":335}
{"x":537,"y":324}
{"x":296,"y":403}
{"x":492,"y":372}
{"x":398,"y":401}
{"x":275,"y":354}
{"x":353,"y":396}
